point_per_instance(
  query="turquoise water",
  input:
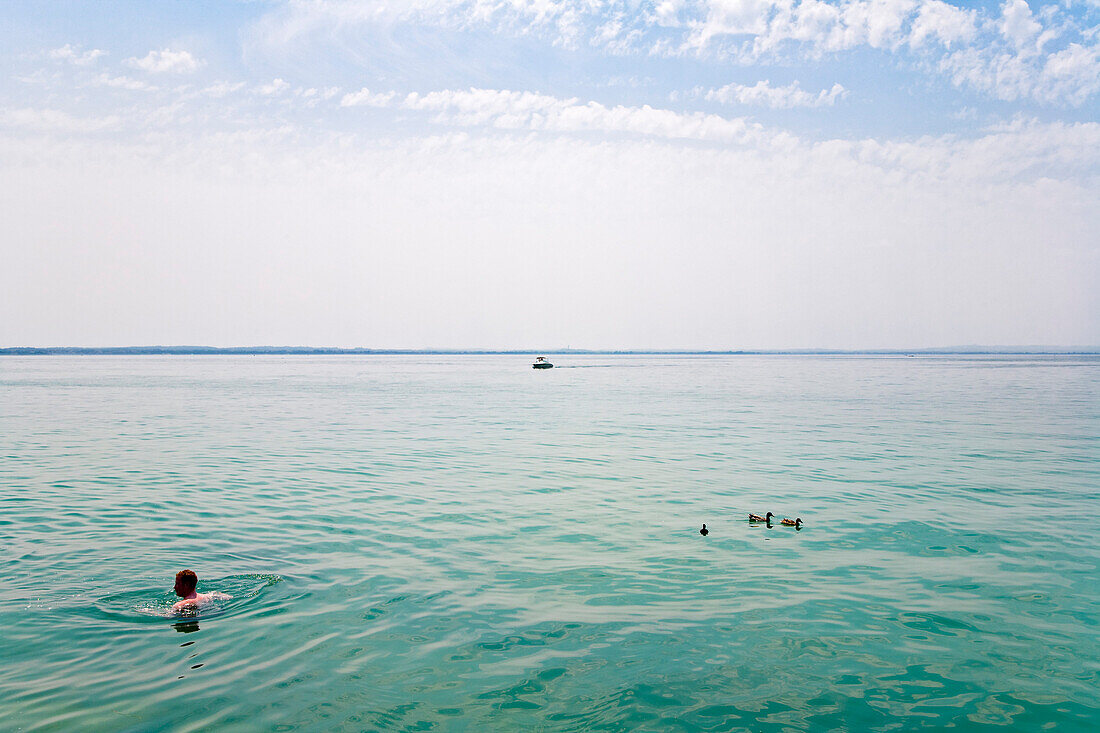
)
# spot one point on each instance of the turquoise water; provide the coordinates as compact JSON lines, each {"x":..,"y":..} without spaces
{"x":464,"y":543}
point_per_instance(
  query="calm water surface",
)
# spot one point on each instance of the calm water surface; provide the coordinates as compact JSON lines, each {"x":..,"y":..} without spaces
{"x":464,"y":543}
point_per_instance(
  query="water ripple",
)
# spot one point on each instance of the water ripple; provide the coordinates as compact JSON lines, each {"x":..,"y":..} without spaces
{"x":414,"y":546}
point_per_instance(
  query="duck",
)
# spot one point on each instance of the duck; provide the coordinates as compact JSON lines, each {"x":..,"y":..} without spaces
{"x":757,"y":518}
{"x":788,"y":522}
{"x":704,"y":531}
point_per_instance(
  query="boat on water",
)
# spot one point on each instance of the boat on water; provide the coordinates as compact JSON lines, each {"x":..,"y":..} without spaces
{"x":542,"y":363}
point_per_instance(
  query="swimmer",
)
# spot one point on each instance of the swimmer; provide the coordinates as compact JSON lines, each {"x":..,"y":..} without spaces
{"x":186,"y":580}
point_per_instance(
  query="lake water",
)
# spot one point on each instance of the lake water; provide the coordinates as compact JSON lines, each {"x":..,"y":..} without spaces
{"x":465,"y":543}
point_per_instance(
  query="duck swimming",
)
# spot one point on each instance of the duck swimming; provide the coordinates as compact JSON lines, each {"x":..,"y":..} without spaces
{"x":796,"y":523}
{"x":757,"y":518}
{"x":704,"y":531}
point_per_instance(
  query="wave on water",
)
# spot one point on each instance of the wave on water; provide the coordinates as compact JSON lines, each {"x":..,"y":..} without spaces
{"x":601,"y":366}
{"x":151,"y":605}
{"x":487,"y":547}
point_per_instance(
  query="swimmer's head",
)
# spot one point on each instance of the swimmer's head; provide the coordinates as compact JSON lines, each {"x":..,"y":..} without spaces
{"x":186,"y":580}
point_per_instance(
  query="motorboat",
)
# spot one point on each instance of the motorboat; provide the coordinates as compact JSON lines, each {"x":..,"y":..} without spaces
{"x":542,"y":363}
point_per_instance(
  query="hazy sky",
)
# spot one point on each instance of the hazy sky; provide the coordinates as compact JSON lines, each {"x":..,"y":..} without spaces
{"x":497,"y":173}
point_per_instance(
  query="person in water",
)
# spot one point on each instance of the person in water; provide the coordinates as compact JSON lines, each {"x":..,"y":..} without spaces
{"x":186,"y":581}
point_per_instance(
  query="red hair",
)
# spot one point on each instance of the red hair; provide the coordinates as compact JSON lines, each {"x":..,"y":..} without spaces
{"x":187,"y":579}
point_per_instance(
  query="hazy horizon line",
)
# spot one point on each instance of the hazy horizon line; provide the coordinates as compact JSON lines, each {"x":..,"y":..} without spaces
{"x":193,"y":350}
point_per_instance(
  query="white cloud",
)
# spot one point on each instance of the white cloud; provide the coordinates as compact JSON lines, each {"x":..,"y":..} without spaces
{"x":222,"y":88}
{"x":682,"y":226}
{"x":364,"y":97}
{"x":764,"y":94}
{"x":74,"y":55}
{"x":564,"y":21}
{"x":615,"y":36}
{"x":667,"y":13}
{"x":1069,"y":76}
{"x":555,"y":116}
{"x":515,"y":110}
{"x":876,"y":23}
{"x":1018,"y":25}
{"x":732,"y":17}
{"x":123,"y":82}
{"x":166,"y":61}
{"x":54,"y":120}
{"x":1024,"y":149}
{"x":829,"y":26}
{"x":1009,"y":39}
{"x":816,"y":24}
{"x":942,"y":22}
{"x":1072,"y":74}
{"x":1014,"y":64}
{"x":276,"y":86}
{"x":640,"y":242}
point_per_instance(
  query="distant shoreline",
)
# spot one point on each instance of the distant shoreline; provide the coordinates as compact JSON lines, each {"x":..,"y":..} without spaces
{"x":332,"y":351}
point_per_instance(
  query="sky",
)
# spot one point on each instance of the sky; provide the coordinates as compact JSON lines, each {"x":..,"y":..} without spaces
{"x":678,"y":174}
